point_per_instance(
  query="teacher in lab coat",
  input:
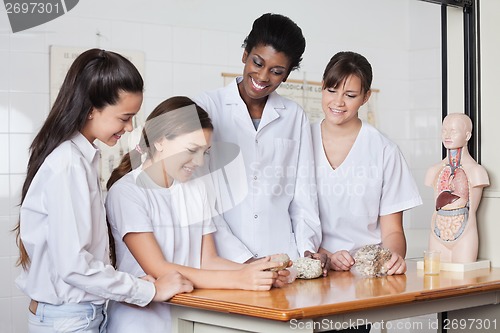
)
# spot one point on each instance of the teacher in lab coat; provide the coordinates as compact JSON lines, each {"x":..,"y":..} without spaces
{"x":278,"y":212}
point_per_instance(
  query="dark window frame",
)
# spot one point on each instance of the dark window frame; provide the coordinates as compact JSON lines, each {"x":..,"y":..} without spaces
{"x":472,"y":100}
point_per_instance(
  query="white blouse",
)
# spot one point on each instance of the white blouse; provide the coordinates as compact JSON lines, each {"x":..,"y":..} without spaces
{"x":64,"y":231}
{"x":178,"y":217}
{"x":373,"y":180}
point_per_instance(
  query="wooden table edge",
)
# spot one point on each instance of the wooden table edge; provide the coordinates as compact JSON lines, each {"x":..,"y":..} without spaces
{"x":326,"y":310}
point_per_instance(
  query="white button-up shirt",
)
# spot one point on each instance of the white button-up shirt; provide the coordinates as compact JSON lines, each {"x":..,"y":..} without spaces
{"x":64,"y":231}
{"x":279,"y":212}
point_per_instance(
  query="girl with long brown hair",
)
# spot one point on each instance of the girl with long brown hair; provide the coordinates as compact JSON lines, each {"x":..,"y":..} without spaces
{"x":62,"y":232}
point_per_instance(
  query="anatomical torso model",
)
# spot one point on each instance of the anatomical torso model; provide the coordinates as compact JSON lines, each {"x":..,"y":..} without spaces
{"x":458,"y":183}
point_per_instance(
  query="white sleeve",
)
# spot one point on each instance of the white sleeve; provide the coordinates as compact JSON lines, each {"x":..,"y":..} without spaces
{"x":399,"y":190}
{"x":126,"y":209}
{"x":303,"y":209}
{"x":72,"y":238}
{"x":227,"y":244}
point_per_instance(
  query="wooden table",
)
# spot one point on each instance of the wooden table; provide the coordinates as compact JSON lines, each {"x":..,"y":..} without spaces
{"x":334,"y":302}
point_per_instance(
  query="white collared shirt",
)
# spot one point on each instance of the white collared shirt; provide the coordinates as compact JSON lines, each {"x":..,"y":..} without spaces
{"x":64,"y":231}
{"x":279,"y":212}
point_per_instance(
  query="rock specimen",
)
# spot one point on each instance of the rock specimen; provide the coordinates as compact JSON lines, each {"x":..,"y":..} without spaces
{"x":283,"y":259}
{"x":370,"y":260}
{"x":307,"y":268}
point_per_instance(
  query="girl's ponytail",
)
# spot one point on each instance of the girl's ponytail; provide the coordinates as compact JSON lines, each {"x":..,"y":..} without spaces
{"x":126,"y":165}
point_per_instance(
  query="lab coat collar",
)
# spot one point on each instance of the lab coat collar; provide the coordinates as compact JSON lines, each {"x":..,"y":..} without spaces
{"x":274,"y":103}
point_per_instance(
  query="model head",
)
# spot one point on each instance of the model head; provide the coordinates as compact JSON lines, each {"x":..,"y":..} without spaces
{"x":345,"y":64}
{"x":279,"y":32}
{"x":177,"y":133}
{"x":456,"y":130}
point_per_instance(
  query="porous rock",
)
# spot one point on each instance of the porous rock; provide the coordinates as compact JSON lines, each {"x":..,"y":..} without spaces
{"x":370,"y":260}
{"x":282,"y":259}
{"x":307,"y":268}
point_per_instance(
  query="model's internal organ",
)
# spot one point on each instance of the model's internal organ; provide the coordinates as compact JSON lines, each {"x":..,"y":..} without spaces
{"x":451,"y":188}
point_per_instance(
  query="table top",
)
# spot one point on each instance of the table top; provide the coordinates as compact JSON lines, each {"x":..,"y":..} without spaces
{"x":342,"y":292}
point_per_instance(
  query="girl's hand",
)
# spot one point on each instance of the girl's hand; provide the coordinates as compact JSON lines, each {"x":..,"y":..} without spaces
{"x":396,"y":265}
{"x":283,"y":273}
{"x":326,"y":262}
{"x":342,"y":261}
{"x":283,"y":278}
{"x":170,"y":284}
{"x":255,"y":275}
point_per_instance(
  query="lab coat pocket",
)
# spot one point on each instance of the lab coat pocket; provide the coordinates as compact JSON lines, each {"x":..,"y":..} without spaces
{"x":286,"y":153}
{"x":284,"y":166}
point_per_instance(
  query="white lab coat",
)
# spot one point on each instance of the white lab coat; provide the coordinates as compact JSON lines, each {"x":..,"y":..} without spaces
{"x":279,"y":212}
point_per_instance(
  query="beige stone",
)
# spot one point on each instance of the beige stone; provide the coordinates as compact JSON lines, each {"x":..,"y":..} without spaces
{"x":308,"y":268}
{"x":370,"y":260}
{"x":282,"y":259}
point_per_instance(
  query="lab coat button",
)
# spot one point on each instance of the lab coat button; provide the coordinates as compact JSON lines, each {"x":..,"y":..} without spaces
{"x":255,"y":216}
{"x":256,"y":255}
{"x":254,"y":177}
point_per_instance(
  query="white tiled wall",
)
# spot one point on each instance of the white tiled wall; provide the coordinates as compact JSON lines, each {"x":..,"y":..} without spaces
{"x":186,"y":50}
{"x":424,"y":115}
